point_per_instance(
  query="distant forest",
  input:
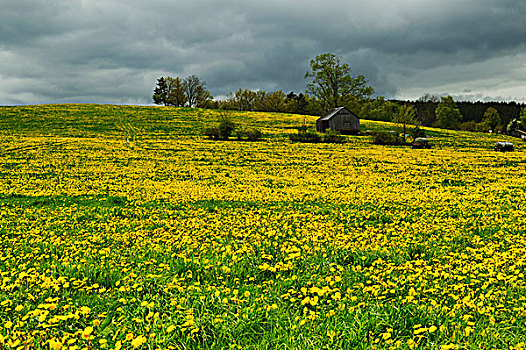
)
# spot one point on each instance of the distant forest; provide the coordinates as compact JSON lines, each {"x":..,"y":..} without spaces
{"x":470,"y":111}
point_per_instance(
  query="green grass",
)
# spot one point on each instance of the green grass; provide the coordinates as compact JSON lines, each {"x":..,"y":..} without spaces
{"x":352,"y":246}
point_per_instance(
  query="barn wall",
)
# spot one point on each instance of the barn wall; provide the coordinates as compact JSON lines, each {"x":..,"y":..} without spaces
{"x":346,"y":121}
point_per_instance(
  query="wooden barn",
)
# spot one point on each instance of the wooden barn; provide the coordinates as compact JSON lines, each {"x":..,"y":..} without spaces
{"x":339,"y":119}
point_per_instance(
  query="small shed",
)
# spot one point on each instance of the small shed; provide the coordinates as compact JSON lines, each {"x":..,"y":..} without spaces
{"x":339,"y":119}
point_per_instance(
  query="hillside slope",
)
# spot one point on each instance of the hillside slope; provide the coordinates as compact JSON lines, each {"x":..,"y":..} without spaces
{"x":177,"y":241}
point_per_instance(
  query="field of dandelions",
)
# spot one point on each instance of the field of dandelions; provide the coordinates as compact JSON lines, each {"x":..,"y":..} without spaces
{"x":175,"y":241}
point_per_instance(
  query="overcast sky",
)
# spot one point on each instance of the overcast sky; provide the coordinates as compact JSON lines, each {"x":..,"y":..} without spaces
{"x":112,"y":51}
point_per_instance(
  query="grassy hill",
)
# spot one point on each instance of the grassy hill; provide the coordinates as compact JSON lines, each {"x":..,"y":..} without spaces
{"x":177,"y":241}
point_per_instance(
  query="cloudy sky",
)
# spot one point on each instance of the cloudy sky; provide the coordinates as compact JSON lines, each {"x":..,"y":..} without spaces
{"x":112,"y":51}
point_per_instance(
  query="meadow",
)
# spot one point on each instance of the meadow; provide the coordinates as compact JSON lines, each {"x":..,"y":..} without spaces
{"x":175,"y":241}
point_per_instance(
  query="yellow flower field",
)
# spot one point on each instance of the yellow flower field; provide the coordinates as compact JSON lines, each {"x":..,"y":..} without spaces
{"x":174,"y":241}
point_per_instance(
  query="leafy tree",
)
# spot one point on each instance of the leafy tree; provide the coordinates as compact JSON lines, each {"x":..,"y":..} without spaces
{"x":470,"y":126}
{"x":244,"y":100}
{"x":523,"y":118}
{"x":491,"y":119}
{"x":296,"y":103}
{"x":378,"y":109}
{"x":407,"y":115}
{"x":513,"y":126}
{"x":447,"y":114}
{"x":260,"y":101}
{"x":160,"y":93}
{"x":176,"y":92}
{"x":332,"y":83}
{"x":275,"y":101}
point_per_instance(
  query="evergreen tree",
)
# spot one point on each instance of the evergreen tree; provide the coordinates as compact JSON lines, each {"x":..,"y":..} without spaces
{"x":160,"y":93}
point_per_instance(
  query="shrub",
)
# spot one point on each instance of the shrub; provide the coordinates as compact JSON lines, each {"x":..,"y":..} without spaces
{"x":387,"y":138}
{"x":253,"y":134}
{"x":212,"y":133}
{"x":417,"y":131}
{"x":332,"y":136}
{"x":307,"y":137}
{"x":249,"y":135}
{"x":303,"y":128}
{"x":226,"y":127}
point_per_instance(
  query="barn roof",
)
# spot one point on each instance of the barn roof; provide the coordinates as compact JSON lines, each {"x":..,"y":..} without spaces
{"x":333,"y":112}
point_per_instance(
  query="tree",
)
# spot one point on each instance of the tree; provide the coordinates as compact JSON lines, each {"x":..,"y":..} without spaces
{"x":160,"y":93}
{"x":447,"y":114}
{"x":260,"y":101}
{"x":523,"y":118}
{"x":513,"y":126}
{"x":296,"y":103}
{"x":196,"y":94}
{"x":407,"y":115}
{"x":203,"y":97}
{"x":244,"y":100}
{"x":332,"y":83}
{"x":427,"y":97}
{"x":275,"y":101}
{"x":491,"y":119}
{"x":176,"y":92}
{"x":379,"y":109}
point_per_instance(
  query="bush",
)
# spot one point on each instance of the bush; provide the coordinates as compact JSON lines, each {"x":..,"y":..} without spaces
{"x":250,"y":134}
{"x":212,"y":133}
{"x":307,"y":137}
{"x":417,"y":132}
{"x":226,"y":127}
{"x":253,"y":135}
{"x":332,"y":136}
{"x":387,"y":138}
{"x":303,"y":128}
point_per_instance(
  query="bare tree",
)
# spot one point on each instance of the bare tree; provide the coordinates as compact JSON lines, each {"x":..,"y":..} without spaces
{"x":193,"y":86}
{"x":203,"y":97}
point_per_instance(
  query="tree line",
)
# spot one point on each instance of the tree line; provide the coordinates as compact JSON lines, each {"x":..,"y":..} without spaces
{"x":330,"y":84}
{"x":472,"y":114}
{"x":180,"y":92}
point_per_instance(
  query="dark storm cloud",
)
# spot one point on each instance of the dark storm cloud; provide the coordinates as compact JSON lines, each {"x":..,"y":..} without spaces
{"x":113,"y":50}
